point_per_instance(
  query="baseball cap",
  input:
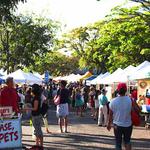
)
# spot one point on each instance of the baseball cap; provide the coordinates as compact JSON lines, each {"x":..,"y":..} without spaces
{"x":122,"y":86}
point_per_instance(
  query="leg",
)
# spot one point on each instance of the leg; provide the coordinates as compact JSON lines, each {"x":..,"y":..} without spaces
{"x":66,"y":123}
{"x":46,"y":124}
{"x":104,"y":109}
{"x":118,"y":137}
{"x":92,"y":111}
{"x":127,"y":137}
{"x":61,"y":124}
{"x":81,"y":111}
{"x":37,"y":141}
{"x":100,"y":117}
{"x":40,"y":141}
{"x":37,"y":124}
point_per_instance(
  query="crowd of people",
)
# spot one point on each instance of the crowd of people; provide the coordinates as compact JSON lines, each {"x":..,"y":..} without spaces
{"x":71,"y":97}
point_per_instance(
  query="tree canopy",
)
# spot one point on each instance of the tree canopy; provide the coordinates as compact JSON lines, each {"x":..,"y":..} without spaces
{"x":25,"y":40}
{"x":121,"y":39}
{"x":7,"y":6}
{"x":56,"y":63}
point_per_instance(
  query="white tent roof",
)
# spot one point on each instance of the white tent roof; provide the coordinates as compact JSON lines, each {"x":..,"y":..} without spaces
{"x":73,"y":78}
{"x":57,"y":78}
{"x":109,"y":79}
{"x":124,"y":75}
{"x":143,"y":73}
{"x":38,"y":75}
{"x":143,"y":65}
{"x":21,"y":77}
{"x":34,"y":79}
{"x":99,"y":78}
{"x":69,"y":78}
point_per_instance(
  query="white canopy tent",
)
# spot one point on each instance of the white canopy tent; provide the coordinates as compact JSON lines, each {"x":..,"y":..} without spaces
{"x":34,"y":79}
{"x":24,"y":78}
{"x":124,"y":75}
{"x":110,"y":79}
{"x":70,"y":78}
{"x":143,"y":73}
{"x":143,"y":65}
{"x":99,"y":78}
{"x":38,"y":75}
{"x":74,"y":78}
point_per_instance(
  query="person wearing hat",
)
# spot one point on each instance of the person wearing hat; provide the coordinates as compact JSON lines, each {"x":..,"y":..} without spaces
{"x":103,"y":115}
{"x":9,"y":96}
{"x":120,"y":116}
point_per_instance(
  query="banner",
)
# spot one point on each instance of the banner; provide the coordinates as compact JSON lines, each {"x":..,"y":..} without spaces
{"x":46,"y":76}
{"x":10,"y":134}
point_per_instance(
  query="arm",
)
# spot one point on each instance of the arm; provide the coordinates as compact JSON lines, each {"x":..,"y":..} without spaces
{"x":110,"y":119}
{"x":35,"y":108}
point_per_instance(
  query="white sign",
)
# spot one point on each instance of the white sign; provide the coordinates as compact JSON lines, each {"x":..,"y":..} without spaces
{"x":10,"y":134}
{"x":5,"y":111}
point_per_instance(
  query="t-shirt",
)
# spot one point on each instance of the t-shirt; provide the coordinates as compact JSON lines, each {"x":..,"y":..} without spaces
{"x":121,"y":107}
{"x":9,"y":97}
{"x":102,"y":99}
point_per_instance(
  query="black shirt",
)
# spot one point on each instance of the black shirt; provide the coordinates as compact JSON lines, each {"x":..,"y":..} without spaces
{"x":37,"y":112}
{"x":64,"y":95}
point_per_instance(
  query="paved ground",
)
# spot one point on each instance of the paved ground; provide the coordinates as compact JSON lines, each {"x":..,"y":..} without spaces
{"x":84,"y":135}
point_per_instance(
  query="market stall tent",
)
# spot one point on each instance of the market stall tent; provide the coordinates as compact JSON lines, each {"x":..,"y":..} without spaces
{"x":85,"y":76}
{"x":21,"y":77}
{"x":99,"y":78}
{"x":124,"y":75}
{"x":34,"y":78}
{"x":143,"y":73}
{"x":89,"y":79}
{"x":143,"y":65}
{"x":110,"y":79}
{"x":73,"y":78}
{"x":38,"y":75}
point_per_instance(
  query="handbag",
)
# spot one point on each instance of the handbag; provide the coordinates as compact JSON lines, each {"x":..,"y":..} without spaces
{"x":57,"y":100}
{"x":135,"y":114}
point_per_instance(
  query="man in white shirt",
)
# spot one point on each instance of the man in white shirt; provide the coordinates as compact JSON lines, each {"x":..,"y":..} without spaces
{"x":120,"y":116}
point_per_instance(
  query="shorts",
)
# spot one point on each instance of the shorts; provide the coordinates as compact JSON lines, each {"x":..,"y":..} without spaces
{"x":37,"y":124}
{"x":62,"y":110}
{"x":122,"y":132}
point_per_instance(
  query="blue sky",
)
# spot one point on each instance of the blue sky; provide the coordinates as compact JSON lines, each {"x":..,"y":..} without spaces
{"x":72,"y":13}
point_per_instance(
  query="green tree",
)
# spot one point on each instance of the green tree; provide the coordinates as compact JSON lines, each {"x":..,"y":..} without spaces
{"x":121,"y":39}
{"x":7,"y":7}
{"x":25,"y":40}
{"x":56,"y":63}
